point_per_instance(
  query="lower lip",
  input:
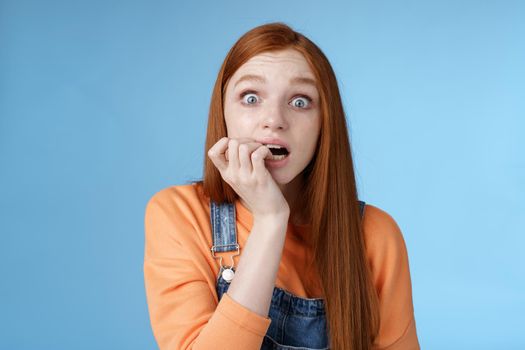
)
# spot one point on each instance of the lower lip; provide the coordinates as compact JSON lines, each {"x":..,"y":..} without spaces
{"x":277,"y":163}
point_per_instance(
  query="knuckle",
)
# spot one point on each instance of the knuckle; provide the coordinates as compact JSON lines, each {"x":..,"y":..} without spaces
{"x":257,"y":155}
{"x":243,"y":147}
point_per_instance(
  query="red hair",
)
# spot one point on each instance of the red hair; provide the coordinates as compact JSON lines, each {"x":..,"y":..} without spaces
{"x":330,"y":193}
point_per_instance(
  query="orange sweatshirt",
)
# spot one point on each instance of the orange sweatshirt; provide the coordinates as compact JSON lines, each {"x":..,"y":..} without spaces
{"x":180,"y":276}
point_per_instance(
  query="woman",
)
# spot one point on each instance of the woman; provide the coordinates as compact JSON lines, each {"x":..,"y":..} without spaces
{"x":273,"y":249}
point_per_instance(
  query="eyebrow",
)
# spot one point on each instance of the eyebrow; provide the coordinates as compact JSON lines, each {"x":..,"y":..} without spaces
{"x":260,"y":79}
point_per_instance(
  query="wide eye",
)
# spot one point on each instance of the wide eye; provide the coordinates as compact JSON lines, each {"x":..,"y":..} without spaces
{"x":302,"y":102}
{"x":249,"y":97}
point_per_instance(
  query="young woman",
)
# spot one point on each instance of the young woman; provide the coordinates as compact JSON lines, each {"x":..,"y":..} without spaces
{"x":273,"y":249}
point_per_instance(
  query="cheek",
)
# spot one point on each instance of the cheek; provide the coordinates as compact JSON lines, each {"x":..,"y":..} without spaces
{"x":312,"y":131}
{"x":313,"y":139}
{"x":231,"y":118}
{"x":313,"y":143}
{"x":238,"y":123}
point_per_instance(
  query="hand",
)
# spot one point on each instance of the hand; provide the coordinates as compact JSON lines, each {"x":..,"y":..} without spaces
{"x":241,"y":164}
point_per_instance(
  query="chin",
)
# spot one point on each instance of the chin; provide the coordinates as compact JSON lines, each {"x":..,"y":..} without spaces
{"x":283,"y":178}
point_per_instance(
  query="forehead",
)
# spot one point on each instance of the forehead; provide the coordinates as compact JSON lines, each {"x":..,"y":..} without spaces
{"x":289,"y":63}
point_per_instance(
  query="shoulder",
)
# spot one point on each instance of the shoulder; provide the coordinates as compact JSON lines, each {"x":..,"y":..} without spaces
{"x":383,"y":237}
{"x":176,"y":193}
{"x":176,"y":221}
{"x":175,"y":206}
{"x":378,"y":221}
{"x":176,"y":196}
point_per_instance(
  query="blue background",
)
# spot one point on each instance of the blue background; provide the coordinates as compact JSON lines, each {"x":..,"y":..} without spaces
{"x":102,"y":104}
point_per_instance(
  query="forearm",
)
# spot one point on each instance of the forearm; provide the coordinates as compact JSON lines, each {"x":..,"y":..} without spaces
{"x":256,"y":272}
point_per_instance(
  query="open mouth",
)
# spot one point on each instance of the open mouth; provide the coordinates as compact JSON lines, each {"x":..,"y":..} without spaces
{"x":278,"y":152}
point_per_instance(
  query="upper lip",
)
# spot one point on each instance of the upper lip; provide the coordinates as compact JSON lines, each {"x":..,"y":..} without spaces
{"x":274,"y":141}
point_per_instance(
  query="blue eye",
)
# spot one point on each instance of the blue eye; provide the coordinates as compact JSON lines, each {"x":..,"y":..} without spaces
{"x":251,"y":97}
{"x":302,"y":103}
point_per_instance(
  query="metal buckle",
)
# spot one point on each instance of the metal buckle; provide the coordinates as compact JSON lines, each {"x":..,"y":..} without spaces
{"x":220,"y":257}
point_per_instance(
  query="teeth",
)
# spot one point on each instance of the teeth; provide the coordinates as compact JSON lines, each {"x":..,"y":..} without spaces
{"x":276,"y":157}
{"x":269,"y":145}
{"x":273,"y":157}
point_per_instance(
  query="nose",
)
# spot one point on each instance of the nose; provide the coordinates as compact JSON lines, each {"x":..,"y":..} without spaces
{"x":274,"y":119}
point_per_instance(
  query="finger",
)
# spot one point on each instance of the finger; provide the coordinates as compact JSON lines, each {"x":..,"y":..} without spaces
{"x":258,"y":157}
{"x":241,"y":140}
{"x":233,"y":154}
{"x":245,"y":151}
{"x":216,"y":153}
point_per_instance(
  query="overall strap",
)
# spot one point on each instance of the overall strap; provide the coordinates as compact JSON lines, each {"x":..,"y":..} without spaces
{"x":223,"y":224}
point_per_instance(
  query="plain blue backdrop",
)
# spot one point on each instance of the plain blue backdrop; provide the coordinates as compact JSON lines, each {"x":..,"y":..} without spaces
{"x":104,"y":103}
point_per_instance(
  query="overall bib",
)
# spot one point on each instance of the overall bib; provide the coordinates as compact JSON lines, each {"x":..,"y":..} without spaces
{"x":297,"y":323}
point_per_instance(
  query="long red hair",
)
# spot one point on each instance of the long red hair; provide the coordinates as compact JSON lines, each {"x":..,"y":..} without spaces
{"x":330,"y":193}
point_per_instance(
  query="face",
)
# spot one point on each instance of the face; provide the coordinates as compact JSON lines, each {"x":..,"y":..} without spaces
{"x":274,"y":95}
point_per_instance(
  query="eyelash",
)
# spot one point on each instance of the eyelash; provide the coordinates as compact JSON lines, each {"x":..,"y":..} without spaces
{"x":255,"y":92}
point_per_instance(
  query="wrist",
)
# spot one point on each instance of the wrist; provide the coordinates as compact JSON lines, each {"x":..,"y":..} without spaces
{"x":274,"y":219}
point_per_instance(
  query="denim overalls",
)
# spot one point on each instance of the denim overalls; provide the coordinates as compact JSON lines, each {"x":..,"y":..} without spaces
{"x":297,"y":323}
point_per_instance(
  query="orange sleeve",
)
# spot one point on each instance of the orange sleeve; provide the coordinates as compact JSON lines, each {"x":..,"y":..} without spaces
{"x":388,"y":258}
{"x":184,"y":311}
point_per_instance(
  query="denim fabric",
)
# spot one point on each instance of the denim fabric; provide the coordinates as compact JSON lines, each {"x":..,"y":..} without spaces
{"x":297,"y":323}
